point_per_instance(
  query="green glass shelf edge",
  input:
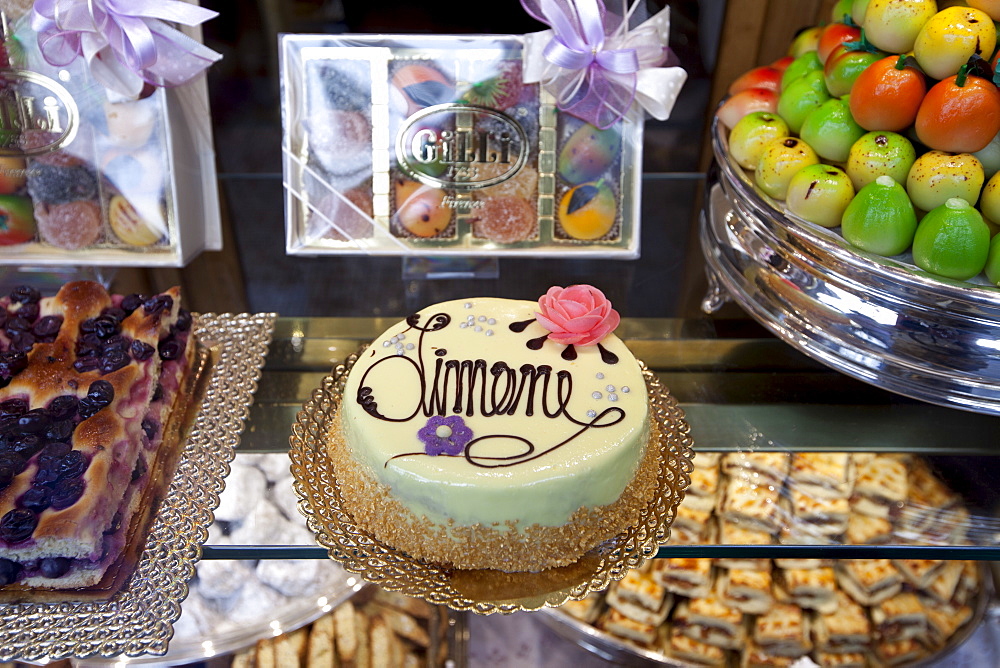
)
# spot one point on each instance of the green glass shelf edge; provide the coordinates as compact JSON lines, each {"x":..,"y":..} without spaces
{"x":970,"y":552}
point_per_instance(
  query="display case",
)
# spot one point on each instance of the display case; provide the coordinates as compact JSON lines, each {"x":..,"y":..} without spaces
{"x":742,"y":390}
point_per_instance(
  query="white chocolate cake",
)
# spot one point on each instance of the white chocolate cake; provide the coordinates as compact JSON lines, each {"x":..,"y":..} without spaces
{"x":88,"y":383}
{"x":492,"y":433}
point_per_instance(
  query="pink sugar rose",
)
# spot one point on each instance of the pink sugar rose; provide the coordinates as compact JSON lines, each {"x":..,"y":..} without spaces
{"x":579,"y":315}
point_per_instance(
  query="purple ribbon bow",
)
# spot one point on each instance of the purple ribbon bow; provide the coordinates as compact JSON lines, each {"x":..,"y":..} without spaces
{"x":126,"y":43}
{"x":596,"y":66}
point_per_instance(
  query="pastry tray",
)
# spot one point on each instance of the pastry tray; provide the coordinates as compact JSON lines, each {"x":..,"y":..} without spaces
{"x":481,"y":591}
{"x":881,"y":320}
{"x":139,"y":619}
{"x":620,"y":651}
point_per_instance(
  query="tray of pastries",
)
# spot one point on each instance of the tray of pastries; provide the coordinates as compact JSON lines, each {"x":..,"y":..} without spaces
{"x":750,"y":612}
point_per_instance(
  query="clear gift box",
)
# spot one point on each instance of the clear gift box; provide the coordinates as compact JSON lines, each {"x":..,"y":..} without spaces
{"x":89,"y":179}
{"x":433,"y":145}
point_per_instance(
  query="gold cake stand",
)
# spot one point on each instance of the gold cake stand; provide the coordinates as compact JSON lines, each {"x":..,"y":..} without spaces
{"x":482,"y":591}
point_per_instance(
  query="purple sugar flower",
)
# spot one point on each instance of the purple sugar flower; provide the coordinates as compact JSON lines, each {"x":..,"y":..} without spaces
{"x":445,"y":435}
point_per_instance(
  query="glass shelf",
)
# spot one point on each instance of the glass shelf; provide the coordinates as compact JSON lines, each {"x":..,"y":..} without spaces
{"x":741,"y":390}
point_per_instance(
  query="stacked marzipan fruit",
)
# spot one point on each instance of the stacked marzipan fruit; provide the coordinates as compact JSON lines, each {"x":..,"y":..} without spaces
{"x":773,"y":612}
{"x":885,"y":124}
{"x":89,"y":383}
{"x":377,"y":628}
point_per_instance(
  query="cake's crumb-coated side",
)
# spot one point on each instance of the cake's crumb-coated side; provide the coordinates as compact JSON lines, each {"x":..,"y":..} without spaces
{"x":509,"y":548}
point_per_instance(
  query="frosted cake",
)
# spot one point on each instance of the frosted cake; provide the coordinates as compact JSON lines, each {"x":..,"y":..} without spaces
{"x":492,"y":433}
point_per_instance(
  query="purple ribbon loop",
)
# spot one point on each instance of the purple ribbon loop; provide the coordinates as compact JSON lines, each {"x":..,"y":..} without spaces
{"x":126,"y":43}
{"x":593,"y":61}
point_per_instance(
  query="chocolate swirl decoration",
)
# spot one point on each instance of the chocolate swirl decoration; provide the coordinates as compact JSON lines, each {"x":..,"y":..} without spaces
{"x":435,"y":323}
{"x":569,"y":353}
{"x":529,"y":453}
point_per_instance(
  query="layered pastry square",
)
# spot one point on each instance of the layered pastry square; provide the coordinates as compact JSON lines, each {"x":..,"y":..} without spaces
{"x":748,"y":591}
{"x":686,"y":576}
{"x":90,"y":385}
{"x":757,"y":467}
{"x":783,"y":630}
{"x":869,"y":581}
{"x":752,"y":503}
{"x":845,"y":629}
{"x":822,"y":474}
{"x":881,"y":487}
{"x":708,"y":619}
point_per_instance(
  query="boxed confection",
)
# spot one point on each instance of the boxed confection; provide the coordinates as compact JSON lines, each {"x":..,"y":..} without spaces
{"x":457,"y":145}
{"x":105,"y":161}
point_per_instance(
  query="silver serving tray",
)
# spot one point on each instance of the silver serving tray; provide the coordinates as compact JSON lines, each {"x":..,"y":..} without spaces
{"x":139,"y":619}
{"x":612,"y":648}
{"x":881,"y":320}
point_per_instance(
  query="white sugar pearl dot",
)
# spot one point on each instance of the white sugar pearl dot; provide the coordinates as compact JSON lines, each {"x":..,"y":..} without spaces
{"x":468,"y":304}
{"x":394,"y":339}
{"x":443,"y":431}
{"x":612,"y":397}
{"x":626,"y":390}
{"x":461,"y":325}
{"x":610,"y":388}
{"x":398,"y":345}
{"x":409,"y":346}
{"x":597,"y":395}
{"x":401,"y":336}
{"x":400,"y":351}
{"x":386,"y":344}
{"x":489,"y":332}
{"x":591,"y":413}
{"x":491,"y":321}
{"x":600,"y":375}
{"x":479,"y":328}
{"x":482,"y":318}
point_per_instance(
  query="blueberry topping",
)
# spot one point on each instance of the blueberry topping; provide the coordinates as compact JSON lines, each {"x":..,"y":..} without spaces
{"x":16,"y":462}
{"x":36,"y":499}
{"x":115,"y":313}
{"x":13,"y":406}
{"x":8,"y":571}
{"x":132,"y":302}
{"x":106,"y":327}
{"x":112,"y":360}
{"x":85,"y":364}
{"x":88,"y":407}
{"x":63,"y":407}
{"x":101,"y":392}
{"x":60,"y":430}
{"x":17,"y":525}
{"x":54,"y":567}
{"x":141,"y":351}
{"x":11,"y":363}
{"x":18,"y":323}
{"x":66,"y":493}
{"x":140,"y":468}
{"x":88,"y":325}
{"x":170,"y":349}
{"x":6,"y":474}
{"x":29,"y":311}
{"x":150,"y":427}
{"x":72,"y":465}
{"x":26,"y":445}
{"x":22,"y":341}
{"x":23,"y":294}
{"x":47,"y":326}
{"x":34,"y":421}
{"x":116,"y":342}
{"x":157,"y":304}
{"x":52,"y":452}
{"x":183,"y":320}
